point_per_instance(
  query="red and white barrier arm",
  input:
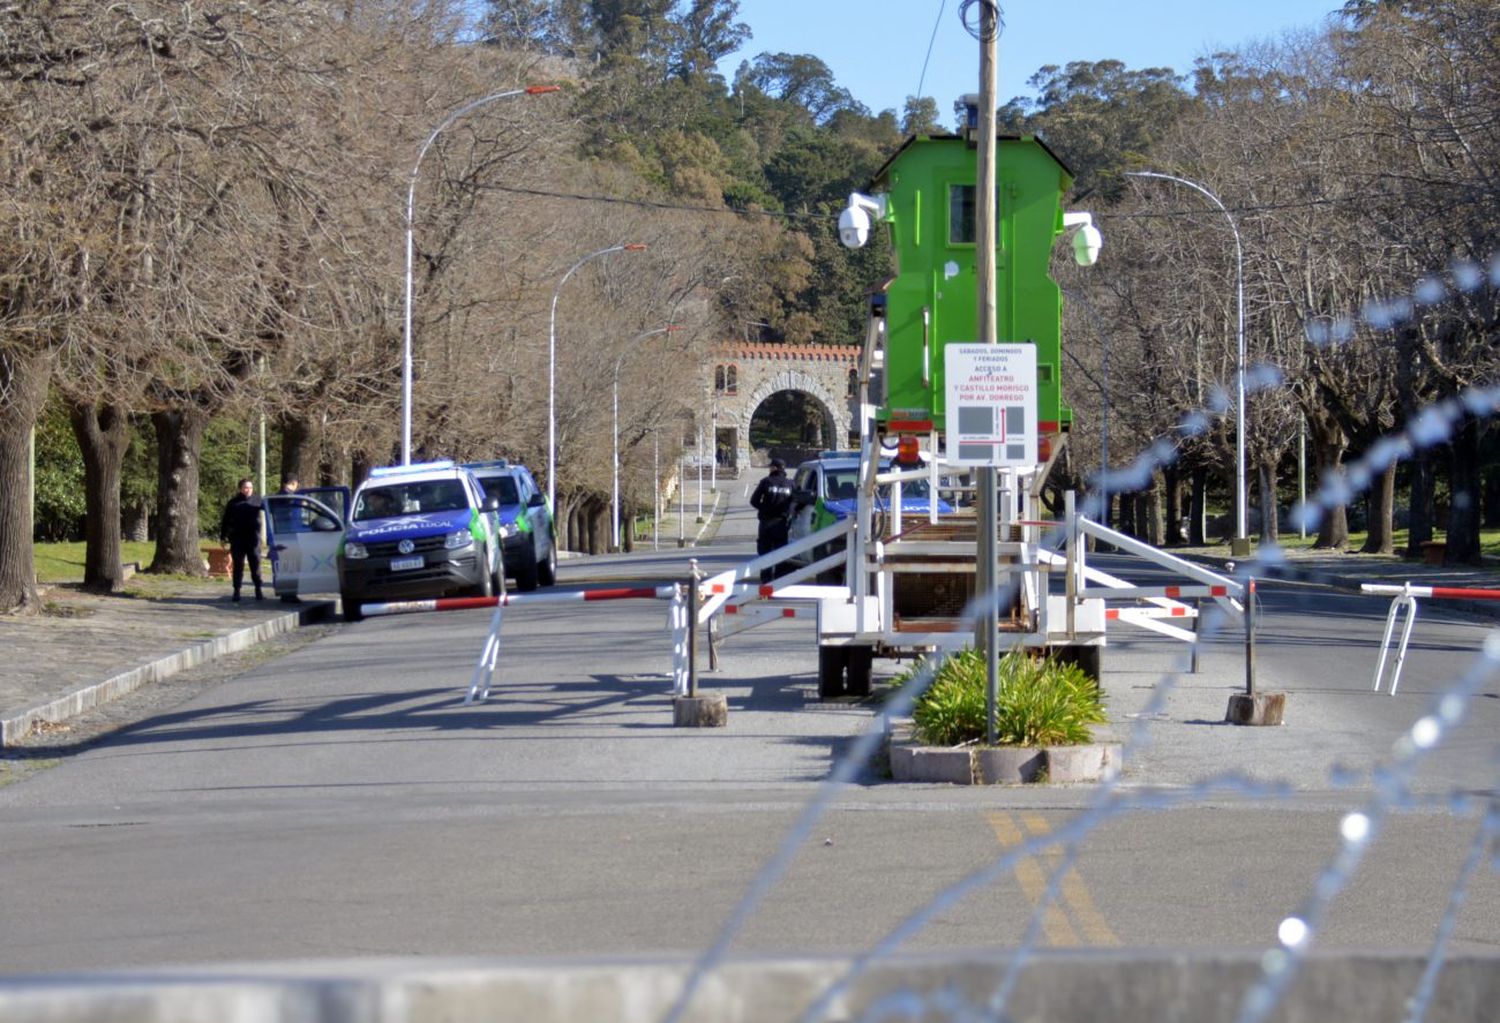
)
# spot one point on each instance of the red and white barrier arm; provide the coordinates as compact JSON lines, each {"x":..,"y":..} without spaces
{"x":1149,"y":592}
{"x":1429,"y":592}
{"x":1117,"y":614}
{"x":766,"y":610}
{"x":406,"y":607}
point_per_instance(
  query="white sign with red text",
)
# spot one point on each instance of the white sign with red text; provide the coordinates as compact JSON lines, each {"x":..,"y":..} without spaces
{"x":991,"y":404}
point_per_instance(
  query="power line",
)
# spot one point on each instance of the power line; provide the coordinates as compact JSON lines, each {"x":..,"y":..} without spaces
{"x":1333,"y":200}
{"x":942,"y":6}
{"x":657,"y":205}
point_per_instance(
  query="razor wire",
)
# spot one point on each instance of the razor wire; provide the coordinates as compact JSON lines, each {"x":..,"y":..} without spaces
{"x":1357,"y":829}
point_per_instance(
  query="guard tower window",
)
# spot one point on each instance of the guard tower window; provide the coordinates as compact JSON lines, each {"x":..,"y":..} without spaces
{"x":726,"y":379}
{"x":960,"y":214}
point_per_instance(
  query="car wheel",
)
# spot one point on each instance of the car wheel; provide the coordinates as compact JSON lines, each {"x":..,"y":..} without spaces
{"x":486,"y":587}
{"x":547,"y":568}
{"x":351,"y":608}
{"x":526,"y":575}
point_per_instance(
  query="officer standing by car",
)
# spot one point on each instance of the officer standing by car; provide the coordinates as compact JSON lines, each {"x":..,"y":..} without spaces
{"x":774,"y":500}
{"x":240,"y":528}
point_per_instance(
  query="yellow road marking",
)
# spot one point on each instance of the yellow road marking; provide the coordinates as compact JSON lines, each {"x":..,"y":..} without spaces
{"x":1075,"y":893}
{"x":1033,"y":882}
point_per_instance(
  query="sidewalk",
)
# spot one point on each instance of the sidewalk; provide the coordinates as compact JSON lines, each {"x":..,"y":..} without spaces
{"x":87,"y":649}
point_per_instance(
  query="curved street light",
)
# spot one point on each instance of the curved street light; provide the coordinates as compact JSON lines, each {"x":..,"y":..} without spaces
{"x":1241,"y":545}
{"x":552,"y":369}
{"x":411,"y":198}
{"x":614,"y":500}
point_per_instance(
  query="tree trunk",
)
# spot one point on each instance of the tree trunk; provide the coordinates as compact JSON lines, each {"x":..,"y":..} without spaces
{"x":1172,"y":479}
{"x":1198,"y":505}
{"x":1270,"y":521}
{"x":562,"y":517}
{"x":1382,"y":537}
{"x":1420,"y":515}
{"x":137,"y":523}
{"x":1464,"y":482}
{"x":23,"y":390}
{"x":103,"y":433}
{"x":179,"y":444}
{"x":598,"y":526}
{"x":299,"y":450}
{"x":1328,"y":449}
{"x":1490,"y":509}
{"x":359,"y":468}
{"x":1126,"y":523}
{"x":1148,"y":516}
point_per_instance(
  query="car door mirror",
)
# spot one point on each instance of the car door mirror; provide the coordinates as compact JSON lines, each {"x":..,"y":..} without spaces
{"x":491,"y":504}
{"x":537,"y":501}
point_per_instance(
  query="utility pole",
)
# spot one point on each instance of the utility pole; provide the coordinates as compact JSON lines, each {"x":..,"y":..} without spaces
{"x":984,"y":271}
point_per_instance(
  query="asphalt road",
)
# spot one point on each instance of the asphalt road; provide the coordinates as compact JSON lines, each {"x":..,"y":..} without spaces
{"x":342,"y":801}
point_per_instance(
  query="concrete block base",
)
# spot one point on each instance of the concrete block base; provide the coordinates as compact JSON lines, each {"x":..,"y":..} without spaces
{"x":1095,"y":762}
{"x":1260,"y":709}
{"x":1009,"y":765}
{"x":1004,"y":765}
{"x":931,"y":764}
{"x":706,"y":710}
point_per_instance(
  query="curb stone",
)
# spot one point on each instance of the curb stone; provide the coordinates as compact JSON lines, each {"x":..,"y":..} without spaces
{"x":20,"y":724}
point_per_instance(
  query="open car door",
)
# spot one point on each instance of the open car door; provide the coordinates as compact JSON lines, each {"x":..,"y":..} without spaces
{"x":303,"y":531}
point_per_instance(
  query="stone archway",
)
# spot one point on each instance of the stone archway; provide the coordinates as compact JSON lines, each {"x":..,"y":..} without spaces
{"x":746,"y":375}
{"x":788,"y":382}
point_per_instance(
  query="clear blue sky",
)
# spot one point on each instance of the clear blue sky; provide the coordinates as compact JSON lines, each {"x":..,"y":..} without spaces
{"x":875,"y":48}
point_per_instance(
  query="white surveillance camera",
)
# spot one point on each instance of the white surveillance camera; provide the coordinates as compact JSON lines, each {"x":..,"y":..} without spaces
{"x":1087,"y":241}
{"x":855,"y":221}
{"x":854,"y":227}
{"x":1086,"y":245}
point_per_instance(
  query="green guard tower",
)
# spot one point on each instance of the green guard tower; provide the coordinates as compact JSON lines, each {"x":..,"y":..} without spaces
{"x":925,"y":192}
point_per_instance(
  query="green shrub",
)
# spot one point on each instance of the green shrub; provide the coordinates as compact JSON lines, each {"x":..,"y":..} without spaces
{"x":1042,"y":702}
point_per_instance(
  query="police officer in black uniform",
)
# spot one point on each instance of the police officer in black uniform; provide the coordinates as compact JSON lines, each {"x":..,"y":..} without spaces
{"x":240,"y":528}
{"x":774,"y":501}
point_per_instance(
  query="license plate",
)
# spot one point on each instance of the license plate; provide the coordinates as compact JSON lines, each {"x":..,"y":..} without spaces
{"x":402,"y":564}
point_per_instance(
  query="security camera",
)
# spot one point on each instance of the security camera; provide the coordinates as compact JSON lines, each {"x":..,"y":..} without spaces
{"x":854,"y":227}
{"x":1086,"y":245}
{"x":1087,"y":241}
{"x":854,"y":222}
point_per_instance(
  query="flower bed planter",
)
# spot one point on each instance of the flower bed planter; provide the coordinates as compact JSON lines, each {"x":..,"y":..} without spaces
{"x":1000,"y":765}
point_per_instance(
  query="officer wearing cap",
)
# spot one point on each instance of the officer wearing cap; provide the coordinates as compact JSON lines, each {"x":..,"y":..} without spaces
{"x":774,"y":502}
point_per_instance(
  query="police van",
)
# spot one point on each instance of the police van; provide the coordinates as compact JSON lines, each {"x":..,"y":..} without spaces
{"x":527,"y":535}
{"x":418,"y":531}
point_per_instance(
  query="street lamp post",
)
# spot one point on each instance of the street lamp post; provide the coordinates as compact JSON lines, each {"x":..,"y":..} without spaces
{"x":614,"y":502}
{"x":1241,"y":534}
{"x":411,"y":200}
{"x":552,"y":369}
